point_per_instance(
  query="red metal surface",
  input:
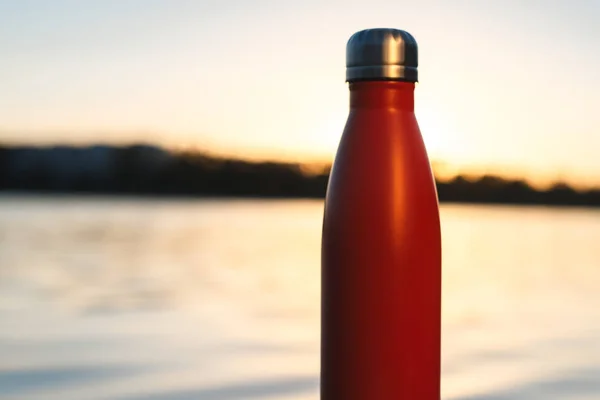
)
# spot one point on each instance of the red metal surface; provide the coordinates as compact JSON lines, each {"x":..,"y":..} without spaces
{"x":381,"y":255}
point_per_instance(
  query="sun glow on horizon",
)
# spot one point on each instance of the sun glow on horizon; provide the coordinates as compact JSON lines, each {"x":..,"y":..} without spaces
{"x":153,"y":73}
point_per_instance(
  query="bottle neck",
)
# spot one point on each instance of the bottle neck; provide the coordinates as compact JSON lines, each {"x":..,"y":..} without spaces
{"x":382,"y":94}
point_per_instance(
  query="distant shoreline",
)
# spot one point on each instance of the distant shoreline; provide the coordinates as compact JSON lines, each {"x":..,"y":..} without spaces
{"x":144,"y":171}
{"x":141,"y":197}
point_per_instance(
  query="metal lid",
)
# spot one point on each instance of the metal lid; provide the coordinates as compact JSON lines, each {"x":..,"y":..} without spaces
{"x":381,"y":54}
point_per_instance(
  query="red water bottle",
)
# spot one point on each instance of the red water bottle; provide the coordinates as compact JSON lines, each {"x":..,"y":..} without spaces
{"x":381,"y":249}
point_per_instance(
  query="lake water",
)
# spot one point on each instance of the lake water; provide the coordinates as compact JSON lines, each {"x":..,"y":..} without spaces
{"x":219,"y":300}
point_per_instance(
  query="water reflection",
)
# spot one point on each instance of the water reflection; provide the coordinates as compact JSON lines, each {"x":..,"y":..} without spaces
{"x":274,"y":388}
{"x":220,"y":300}
{"x":21,"y":382}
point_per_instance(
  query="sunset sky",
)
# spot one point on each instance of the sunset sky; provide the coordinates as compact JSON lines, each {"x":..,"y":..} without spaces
{"x":506,"y":86}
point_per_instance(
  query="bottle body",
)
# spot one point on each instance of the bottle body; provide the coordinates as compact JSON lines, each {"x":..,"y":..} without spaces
{"x":381,"y":255}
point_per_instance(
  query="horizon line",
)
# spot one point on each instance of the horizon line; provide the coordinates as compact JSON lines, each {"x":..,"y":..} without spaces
{"x":442,"y":169}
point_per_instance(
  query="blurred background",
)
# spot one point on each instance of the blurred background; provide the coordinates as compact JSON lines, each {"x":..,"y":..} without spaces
{"x":162,"y":172}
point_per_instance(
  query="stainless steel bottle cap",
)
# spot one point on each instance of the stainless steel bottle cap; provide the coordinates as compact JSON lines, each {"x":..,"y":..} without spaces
{"x":381,"y":54}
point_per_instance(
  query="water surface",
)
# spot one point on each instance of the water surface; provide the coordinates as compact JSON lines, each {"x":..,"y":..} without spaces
{"x":123,"y":299}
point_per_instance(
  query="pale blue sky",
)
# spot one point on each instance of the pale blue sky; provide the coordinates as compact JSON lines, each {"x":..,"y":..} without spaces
{"x":505,"y":85}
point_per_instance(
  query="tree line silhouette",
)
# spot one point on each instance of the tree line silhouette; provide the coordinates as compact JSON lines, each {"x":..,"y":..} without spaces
{"x":152,"y":171}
